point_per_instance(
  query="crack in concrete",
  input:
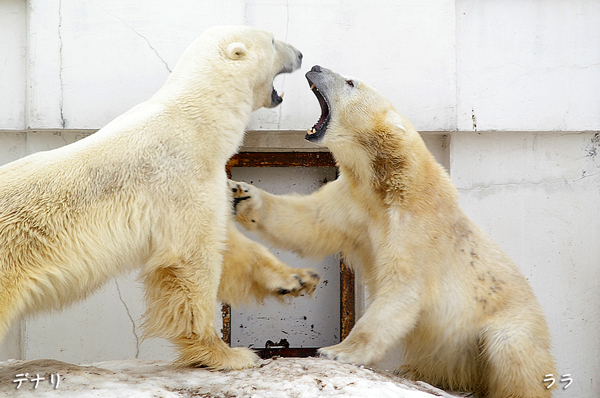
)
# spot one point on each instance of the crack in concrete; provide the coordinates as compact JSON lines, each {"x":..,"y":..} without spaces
{"x":516,"y":184}
{"x":287,"y":29}
{"x":287,"y":23}
{"x":63,"y":122}
{"x":136,"y":32}
{"x":586,"y":176}
{"x":137,"y":338}
{"x":149,"y":45}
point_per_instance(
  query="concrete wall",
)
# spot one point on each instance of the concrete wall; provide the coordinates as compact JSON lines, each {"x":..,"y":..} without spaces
{"x":513,"y":86}
{"x":538,"y":195}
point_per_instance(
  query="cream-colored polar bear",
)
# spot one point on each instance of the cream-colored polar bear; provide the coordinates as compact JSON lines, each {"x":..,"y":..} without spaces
{"x":150,"y":190}
{"x":466,"y":316}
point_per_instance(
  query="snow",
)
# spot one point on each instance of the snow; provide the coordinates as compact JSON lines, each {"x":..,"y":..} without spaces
{"x":276,"y":378}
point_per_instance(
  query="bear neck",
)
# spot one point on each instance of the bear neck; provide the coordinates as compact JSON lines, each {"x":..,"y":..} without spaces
{"x":217,"y":118}
{"x":398,"y":168}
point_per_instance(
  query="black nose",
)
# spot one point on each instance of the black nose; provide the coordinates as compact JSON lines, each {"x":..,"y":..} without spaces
{"x":300,"y":56}
{"x":316,"y":68}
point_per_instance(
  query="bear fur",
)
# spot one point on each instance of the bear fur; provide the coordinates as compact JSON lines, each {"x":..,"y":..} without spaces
{"x":465,"y":315}
{"x":149,"y":191}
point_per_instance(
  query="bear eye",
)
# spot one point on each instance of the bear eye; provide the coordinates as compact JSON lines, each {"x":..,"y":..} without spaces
{"x":350,"y":83}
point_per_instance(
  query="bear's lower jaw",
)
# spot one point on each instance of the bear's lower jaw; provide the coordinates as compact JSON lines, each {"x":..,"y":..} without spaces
{"x":276,"y":99}
{"x":315,"y":134}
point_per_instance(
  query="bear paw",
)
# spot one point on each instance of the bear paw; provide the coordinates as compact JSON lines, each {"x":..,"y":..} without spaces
{"x":340,"y":353}
{"x":213,"y":353}
{"x":246,"y":202}
{"x":239,"y":358}
{"x":299,"y":281}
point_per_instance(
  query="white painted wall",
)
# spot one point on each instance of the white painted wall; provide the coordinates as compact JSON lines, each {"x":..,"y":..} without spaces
{"x":528,"y":65}
{"x":513,"y":65}
{"x":13,"y":65}
{"x":514,"y":84}
{"x":538,"y":196}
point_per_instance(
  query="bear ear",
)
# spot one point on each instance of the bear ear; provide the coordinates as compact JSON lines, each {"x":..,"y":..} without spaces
{"x":236,"y":51}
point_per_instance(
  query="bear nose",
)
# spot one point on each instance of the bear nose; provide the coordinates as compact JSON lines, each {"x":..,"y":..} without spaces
{"x":316,"y":68}
{"x":300,"y":56}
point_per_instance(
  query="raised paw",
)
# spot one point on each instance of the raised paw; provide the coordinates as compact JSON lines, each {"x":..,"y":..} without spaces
{"x":246,"y":202}
{"x":240,"y":190}
{"x":300,"y":280}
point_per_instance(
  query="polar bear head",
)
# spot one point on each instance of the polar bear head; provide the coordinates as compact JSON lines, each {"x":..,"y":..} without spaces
{"x":369,"y":139}
{"x":233,"y":64}
{"x":350,"y":109}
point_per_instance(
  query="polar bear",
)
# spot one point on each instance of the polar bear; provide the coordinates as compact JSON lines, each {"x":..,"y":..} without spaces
{"x":150,"y":191}
{"x":465,"y":315}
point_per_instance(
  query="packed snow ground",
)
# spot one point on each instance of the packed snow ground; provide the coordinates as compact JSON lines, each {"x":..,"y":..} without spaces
{"x":276,"y":378}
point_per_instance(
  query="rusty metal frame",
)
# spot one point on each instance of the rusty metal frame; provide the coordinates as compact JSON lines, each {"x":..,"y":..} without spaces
{"x":347,"y":303}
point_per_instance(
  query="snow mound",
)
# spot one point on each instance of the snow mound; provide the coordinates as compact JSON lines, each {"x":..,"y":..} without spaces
{"x":276,"y":378}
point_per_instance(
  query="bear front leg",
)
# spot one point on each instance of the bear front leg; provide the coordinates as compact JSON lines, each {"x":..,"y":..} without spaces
{"x":251,"y":271}
{"x":387,"y":320}
{"x":306,"y":225}
{"x":181,"y":299}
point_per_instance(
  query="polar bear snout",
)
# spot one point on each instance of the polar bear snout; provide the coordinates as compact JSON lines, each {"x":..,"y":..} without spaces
{"x":295,"y":61}
{"x":290,"y":60}
{"x":295,"y":57}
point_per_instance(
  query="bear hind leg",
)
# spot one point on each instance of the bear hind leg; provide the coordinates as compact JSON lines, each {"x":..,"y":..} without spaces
{"x":513,"y":361}
{"x":213,"y":352}
{"x":9,"y":310}
{"x":181,"y":302}
{"x":15,"y":300}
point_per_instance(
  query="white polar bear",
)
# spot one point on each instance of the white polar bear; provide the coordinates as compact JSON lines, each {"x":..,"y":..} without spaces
{"x":150,"y":190}
{"x":466,"y":316}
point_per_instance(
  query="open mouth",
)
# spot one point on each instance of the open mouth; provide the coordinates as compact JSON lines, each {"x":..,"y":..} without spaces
{"x":315,"y":133}
{"x":276,"y":99}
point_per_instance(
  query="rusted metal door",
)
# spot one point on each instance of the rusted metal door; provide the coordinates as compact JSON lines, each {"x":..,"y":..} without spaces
{"x":298,"y":328}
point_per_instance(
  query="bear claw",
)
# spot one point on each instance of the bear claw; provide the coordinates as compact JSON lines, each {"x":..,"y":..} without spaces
{"x":305,"y":281}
